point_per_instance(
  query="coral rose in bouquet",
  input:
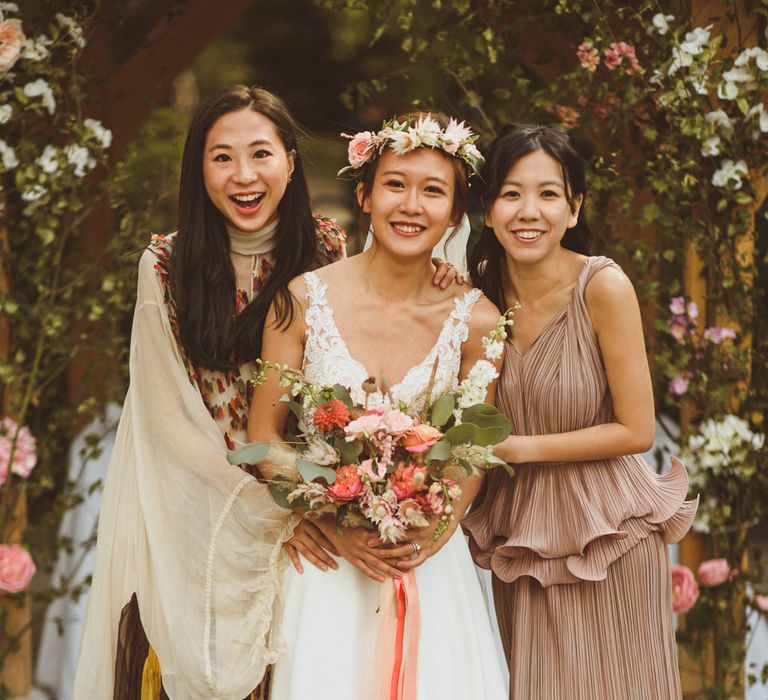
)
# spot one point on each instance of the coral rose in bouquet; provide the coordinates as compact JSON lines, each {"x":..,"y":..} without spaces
{"x":386,"y":466}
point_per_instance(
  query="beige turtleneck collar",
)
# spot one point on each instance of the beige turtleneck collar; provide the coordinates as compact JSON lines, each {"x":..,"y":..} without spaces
{"x":256,"y":243}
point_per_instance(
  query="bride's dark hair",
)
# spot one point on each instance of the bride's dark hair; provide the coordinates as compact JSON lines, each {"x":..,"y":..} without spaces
{"x":515,"y":141}
{"x":202,"y":280}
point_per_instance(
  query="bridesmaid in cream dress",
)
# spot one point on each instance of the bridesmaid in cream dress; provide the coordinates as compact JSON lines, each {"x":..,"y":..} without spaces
{"x":577,"y":541}
{"x":377,"y":313}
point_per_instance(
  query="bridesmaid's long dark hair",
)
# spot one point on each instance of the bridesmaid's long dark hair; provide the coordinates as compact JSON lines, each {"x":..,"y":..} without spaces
{"x":515,"y":141}
{"x":202,"y":279}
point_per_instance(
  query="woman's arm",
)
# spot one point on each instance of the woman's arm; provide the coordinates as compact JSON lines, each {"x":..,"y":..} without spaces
{"x":485,"y":316}
{"x":266,"y":422}
{"x":615,"y":314}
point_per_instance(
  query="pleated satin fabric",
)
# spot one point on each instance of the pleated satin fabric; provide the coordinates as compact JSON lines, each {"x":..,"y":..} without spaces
{"x":578,"y":550}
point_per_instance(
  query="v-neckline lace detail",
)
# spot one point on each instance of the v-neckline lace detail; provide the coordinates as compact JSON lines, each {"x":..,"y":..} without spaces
{"x":327,"y":358}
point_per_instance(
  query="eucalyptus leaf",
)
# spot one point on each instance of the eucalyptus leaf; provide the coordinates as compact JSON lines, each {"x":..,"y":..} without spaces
{"x":252,"y":453}
{"x":442,"y":410}
{"x":280,"y":488}
{"x":348,"y":451}
{"x":342,"y":394}
{"x":441,"y":450}
{"x":310,"y":471}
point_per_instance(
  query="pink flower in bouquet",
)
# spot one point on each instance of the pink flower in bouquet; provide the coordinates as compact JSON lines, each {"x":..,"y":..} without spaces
{"x":685,"y":590}
{"x":348,"y":484}
{"x":397,"y":422}
{"x":331,"y":414}
{"x":365,"y":425}
{"x":25,"y":454}
{"x":411,"y":513}
{"x":11,"y":42}
{"x":454,"y":490}
{"x":373,"y":475}
{"x":406,"y":480}
{"x":761,"y":602}
{"x":435,"y":498}
{"x":360,"y":148}
{"x":16,"y":568}
{"x":588,"y":56}
{"x":420,"y":438}
{"x":714,"y":572}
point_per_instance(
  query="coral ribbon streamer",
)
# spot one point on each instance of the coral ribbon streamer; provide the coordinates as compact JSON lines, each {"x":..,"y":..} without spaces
{"x":397,"y":646}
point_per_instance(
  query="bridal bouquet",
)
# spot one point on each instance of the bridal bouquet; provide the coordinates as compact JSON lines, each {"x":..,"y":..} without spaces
{"x":383,"y":466}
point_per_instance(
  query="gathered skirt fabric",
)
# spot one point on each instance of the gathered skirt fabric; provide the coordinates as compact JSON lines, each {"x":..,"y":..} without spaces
{"x":330,"y":624}
{"x":594,"y":640}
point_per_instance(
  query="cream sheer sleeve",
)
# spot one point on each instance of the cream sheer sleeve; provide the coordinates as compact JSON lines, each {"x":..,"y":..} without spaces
{"x":198,"y":540}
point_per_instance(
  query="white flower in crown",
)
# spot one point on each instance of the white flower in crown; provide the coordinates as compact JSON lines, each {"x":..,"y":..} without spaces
{"x":428,"y":131}
{"x":454,"y":134}
{"x":404,"y":141}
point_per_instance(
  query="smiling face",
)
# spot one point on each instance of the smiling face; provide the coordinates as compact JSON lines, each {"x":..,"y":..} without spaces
{"x":246,"y":169}
{"x":531,"y":211}
{"x":411,"y":200}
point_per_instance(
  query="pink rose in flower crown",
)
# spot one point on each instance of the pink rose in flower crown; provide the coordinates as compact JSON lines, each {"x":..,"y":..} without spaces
{"x":420,"y":438}
{"x":11,"y":42}
{"x":714,"y":572}
{"x":16,"y":568}
{"x":24,"y":454}
{"x":348,"y":484}
{"x":685,"y":590}
{"x":360,"y":149}
{"x":761,"y":602}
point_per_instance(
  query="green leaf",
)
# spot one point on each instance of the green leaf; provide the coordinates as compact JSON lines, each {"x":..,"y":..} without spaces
{"x":280,"y":488}
{"x":295,"y":407}
{"x":310,"y":471}
{"x":651,"y":212}
{"x":441,"y":451}
{"x":252,"y":453}
{"x":342,"y":394}
{"x":442,"y":410}
{"x":341,"y":513}
{"x":481,"y":424}
{"x":348,"y":451}
{"x":509,"y":469}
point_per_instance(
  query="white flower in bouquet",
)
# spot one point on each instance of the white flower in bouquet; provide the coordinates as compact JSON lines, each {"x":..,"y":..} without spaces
{"x":474,"y":388}
{"x":36,"y":49}
{"x":320,"y":452}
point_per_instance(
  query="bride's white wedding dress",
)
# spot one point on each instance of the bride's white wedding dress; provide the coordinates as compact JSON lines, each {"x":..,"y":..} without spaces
{"x":330,"y":622}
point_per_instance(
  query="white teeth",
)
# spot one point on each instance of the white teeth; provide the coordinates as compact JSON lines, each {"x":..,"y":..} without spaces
{"x":246,"y":197}
{"x":528,"y":235}
{"x":409,"y":229}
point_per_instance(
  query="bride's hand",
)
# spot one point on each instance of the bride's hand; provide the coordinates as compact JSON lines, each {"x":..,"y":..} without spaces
{"x":310,"y":541}
{"x":352,"y":544}
{"x":419,"y":546}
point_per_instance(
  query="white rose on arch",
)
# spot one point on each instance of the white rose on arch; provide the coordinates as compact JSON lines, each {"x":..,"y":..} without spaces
{"x":730,"y":174}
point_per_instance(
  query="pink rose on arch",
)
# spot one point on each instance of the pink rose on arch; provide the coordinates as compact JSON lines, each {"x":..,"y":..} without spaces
{"x":11,"y":42}
{"x":420,"y":438}
{"x":679,"y":385}
{"x":348,"y":484}
{"x":24,"y":455}
{"x":360,"y":149}
{"x":717,"y":334}
{"x":677,"y":306}
{"x":588,"y":56}
{"x":16,"y":568}
{"x":685,"y":590}
{"x":715,"y":572}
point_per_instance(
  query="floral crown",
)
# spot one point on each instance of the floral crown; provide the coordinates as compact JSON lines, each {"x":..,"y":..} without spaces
{"x":456,"y":140}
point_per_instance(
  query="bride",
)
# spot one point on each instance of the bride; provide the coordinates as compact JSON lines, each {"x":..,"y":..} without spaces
{"x":378,"y":315}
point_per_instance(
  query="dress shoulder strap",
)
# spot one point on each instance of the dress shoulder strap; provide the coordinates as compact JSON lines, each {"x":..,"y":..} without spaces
{"x":592,"y":266}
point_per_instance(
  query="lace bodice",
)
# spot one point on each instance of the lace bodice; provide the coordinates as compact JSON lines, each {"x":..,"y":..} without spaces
{"x":327,"y":359}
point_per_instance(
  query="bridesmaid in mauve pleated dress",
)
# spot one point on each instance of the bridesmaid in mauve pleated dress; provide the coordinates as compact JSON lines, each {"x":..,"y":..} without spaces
{"x":577,"y":540}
